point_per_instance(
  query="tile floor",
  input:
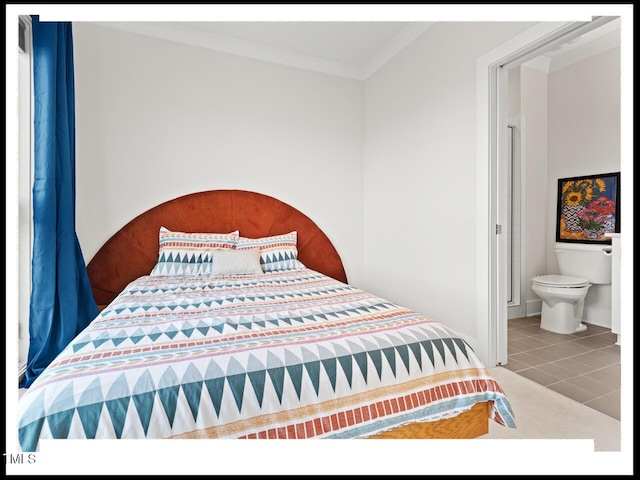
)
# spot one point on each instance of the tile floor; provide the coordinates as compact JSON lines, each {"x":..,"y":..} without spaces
{"x":583,"y":366}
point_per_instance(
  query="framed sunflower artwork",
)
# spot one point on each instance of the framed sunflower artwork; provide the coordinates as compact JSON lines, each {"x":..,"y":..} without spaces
{"x":588,"y":207}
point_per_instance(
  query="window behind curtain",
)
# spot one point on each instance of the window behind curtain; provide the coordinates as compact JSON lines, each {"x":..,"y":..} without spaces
{"x":25,"y":159}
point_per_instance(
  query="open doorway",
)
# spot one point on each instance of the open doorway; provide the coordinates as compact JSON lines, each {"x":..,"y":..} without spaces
{"x":559,"y":104}
{"x":493,"y":184}
{"x":581,"y":76}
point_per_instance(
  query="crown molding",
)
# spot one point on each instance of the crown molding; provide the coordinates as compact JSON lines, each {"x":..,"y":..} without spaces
{"x":403,"y":38}
{"x":221,"y":43}
{"x":257,"y":51}
{"x":541,"y":63}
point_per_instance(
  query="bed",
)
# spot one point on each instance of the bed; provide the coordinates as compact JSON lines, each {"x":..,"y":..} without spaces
{"x":256,"y":334}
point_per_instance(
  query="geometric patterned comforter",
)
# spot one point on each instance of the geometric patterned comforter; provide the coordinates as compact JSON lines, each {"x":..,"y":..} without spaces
{"x":292,"y":354}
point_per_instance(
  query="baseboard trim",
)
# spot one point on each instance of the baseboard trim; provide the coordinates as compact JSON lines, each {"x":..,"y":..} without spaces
{"x":517,"y":311}
{"x":534,"y":307}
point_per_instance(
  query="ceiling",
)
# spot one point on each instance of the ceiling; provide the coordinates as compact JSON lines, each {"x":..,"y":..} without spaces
{"x":349,"y":42}
{"x":353,"y":49}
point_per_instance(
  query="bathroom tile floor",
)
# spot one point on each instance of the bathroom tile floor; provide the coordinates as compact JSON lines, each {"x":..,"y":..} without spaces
{"x":583,"y":366}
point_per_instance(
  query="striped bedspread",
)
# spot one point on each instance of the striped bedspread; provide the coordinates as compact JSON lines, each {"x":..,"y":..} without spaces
{"x":292,"y":354}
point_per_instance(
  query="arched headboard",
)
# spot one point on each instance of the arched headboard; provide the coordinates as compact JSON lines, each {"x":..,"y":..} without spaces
{"x":133,"y":250}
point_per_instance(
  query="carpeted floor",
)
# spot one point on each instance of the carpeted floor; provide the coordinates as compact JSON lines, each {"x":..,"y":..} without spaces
{"x":542,"y":413}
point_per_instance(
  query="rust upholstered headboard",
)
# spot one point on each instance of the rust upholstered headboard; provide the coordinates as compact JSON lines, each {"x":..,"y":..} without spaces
{"x":133,"y":251}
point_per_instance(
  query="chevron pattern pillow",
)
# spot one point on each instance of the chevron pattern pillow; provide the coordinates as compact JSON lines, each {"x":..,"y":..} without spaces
{"x":182,"y":253}
{"x":277,"y":253}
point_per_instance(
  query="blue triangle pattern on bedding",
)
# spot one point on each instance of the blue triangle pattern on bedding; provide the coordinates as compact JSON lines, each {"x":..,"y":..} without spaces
{"x":281,"y":374}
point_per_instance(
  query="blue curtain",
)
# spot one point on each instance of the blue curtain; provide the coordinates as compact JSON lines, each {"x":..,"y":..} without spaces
{"x":61,"y":303}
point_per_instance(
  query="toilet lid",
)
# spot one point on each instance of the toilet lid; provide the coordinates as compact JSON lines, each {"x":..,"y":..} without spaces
{"x":560,"y":281}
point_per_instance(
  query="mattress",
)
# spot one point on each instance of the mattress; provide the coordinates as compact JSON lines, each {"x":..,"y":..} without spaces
{"x":289,"y":354}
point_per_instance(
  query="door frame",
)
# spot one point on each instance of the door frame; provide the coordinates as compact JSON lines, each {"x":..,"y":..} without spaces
{"x":491,"y":207}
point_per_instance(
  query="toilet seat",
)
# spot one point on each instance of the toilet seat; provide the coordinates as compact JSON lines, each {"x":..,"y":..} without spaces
{"x":564,"y":281}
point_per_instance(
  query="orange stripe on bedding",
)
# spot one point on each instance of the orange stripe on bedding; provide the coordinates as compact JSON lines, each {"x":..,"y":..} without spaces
{"x":337,"y":420}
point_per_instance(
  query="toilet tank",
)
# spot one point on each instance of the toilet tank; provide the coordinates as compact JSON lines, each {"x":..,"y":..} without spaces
{"x":592,"y":262}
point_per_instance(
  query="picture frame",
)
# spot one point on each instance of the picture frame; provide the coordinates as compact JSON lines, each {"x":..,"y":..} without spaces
{"x":588,"y":207}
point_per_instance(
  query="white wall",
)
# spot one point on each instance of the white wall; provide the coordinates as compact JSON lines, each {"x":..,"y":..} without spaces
{"x":420,"y":172}
{"x":156,"y":120}
{"x":584,"y":127}
{"x":533,"y":106}
{"x":514,"y":93}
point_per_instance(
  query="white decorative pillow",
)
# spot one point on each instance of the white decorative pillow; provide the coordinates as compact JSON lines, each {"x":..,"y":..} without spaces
{"x":277,"y":253}
{"x":235,"y":262}
{"x":183,"y":253}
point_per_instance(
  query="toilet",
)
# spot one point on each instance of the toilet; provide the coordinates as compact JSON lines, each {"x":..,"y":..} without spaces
{"x":582,"y":267}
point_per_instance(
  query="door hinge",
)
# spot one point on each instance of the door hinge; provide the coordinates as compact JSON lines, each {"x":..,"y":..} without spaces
{"x":498,"y":229}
